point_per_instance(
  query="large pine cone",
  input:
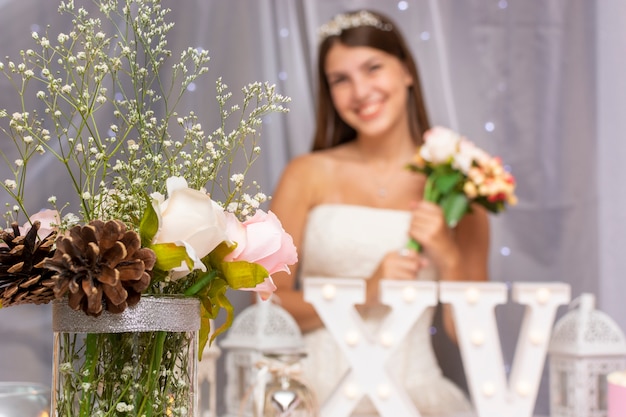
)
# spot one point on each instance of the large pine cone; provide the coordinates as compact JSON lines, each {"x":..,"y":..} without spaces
{"x":23,"y":280}
{"x":101,"y":262}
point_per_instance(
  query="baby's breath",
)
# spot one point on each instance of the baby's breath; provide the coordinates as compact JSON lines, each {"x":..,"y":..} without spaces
{"x":108,"y":68}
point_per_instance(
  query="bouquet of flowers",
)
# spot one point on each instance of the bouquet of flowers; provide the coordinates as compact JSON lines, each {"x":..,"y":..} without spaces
{"x":160,"y":207}
{"x":458,"y":173}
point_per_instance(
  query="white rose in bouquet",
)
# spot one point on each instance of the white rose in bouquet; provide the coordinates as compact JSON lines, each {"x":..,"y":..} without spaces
{"x":440,"y":145}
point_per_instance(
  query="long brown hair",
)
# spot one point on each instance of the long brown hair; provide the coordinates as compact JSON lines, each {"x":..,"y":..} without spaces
{"x":331,"y":130}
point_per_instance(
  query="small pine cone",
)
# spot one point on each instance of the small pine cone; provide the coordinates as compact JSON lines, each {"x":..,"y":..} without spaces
{"x":101,"y":262}
{"x":23,"y":280}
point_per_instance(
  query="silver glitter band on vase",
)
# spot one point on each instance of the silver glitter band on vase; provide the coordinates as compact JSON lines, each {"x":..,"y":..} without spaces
{"x":160,"y":313}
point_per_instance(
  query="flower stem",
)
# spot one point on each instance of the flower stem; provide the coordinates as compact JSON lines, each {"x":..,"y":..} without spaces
{"x":201,"y":283}
{"x":153,"y":374}
{"x":430,"y":194}
{"x":91,"y":353}
{"x":413,"y":244}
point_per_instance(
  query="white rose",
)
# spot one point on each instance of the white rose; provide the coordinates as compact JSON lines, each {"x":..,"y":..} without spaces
{"x":440,"y":145}
{"x":467,"y":154}
{"x":189,"y":218}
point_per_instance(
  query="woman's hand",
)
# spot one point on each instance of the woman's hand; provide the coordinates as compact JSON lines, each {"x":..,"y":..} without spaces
{"x":400,"y":265}
{"x":428,"y":227}
{"x":403,"y":264}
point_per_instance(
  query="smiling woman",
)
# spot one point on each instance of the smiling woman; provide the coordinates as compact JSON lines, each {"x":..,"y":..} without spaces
{"x":347,"y":224}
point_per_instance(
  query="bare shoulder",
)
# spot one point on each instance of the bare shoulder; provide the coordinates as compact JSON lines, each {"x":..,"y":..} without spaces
{"x":312,"y":162}
{"x":313,"y":169}
{"x":301,"y":180}
{"x":309,"y":178}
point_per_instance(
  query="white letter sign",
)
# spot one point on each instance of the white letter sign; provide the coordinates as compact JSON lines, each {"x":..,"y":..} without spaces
{"x":367,"y":354}
{"x":473,"y":306}
{"x":474,"y":317}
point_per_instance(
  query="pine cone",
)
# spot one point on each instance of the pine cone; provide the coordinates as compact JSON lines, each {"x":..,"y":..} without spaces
{"x":101,"y":262}
{"x":23,"y":280}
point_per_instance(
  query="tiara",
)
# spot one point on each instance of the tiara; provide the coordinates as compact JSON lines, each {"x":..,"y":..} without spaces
{"x":345,"y":21}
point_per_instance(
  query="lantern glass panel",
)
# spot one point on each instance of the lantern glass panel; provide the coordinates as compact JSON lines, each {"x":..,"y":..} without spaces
{"x":602,"y":392}
{"x":562,"y":399}
{"x":242,"y":372}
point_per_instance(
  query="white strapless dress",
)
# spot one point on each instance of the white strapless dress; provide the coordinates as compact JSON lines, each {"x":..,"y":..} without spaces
{"x":346,"y":241}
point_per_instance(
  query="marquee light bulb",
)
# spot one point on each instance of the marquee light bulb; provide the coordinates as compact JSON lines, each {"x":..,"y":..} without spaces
{"x":351,"y":391}
{"x":543,"y":295}
{"x":329,"y":292}
{"x":352,"y":338}
{"x":409,"y":294}
{"x":472,"y":295}
{"x":383,"y":391}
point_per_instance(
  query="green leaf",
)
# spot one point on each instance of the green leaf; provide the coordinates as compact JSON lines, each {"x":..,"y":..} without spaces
{"x":448,"y":181}
{"x":205,"y":330}
{"x":149,"y":225}
{"x":217,"y":255}
{"x":224,"y":302}
{"x":212,"y":300}
{"x":238,"y":274}
{"x":454,"y":207}
{"x":242,"y":274}
{"x":170,"y":255}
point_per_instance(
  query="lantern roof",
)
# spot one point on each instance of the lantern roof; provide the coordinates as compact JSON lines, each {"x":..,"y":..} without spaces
{"x":585,"y":331}
{"x":264,"y":326}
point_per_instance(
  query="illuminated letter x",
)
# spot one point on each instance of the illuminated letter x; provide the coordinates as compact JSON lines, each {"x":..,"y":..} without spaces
{"x":367,"y":354}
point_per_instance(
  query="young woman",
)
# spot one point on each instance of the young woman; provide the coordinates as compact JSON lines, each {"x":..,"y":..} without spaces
{"x":351,"y":205}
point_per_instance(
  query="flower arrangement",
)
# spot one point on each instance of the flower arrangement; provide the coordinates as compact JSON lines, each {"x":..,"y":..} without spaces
{"x":160,"y":207}
{"x":458,"y":173}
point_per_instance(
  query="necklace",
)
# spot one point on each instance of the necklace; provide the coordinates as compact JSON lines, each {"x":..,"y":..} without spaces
{"x":380,"y":182}
{"x":382,"y":191}
{"x":381,"y":173}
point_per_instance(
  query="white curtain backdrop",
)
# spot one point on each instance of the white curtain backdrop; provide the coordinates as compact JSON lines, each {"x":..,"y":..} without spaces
{"x":540,"y":83}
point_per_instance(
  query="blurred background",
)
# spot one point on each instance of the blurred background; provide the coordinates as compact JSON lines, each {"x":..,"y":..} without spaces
{"x":539,"y":83}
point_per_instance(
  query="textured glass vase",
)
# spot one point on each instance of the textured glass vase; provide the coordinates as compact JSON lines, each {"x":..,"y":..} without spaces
{"x":141,"y":362}
{"x":24,"y":399}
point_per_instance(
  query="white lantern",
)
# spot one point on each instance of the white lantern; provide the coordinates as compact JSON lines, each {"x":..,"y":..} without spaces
{"x":261,"y":327}
{"x":207,"y":379}
{"x":586,"y":346}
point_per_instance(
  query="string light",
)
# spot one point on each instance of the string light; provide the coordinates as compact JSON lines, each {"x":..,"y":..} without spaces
{"x":403,"y":5}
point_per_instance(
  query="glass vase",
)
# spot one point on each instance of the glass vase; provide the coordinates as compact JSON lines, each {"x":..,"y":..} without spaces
{"x":24,"y":399}
{"x":141,"y":362}
{"x":285,"y":393}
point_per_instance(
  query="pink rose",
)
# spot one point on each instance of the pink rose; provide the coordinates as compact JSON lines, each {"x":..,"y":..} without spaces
{"x":264,"y":289}
{"x":49,"y":220}
{"x":262,"y":240}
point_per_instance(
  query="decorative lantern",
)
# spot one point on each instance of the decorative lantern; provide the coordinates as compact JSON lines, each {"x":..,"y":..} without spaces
{"x":207,"y":379}
{"x":260,"y":328}
{"x":586,"y":346}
